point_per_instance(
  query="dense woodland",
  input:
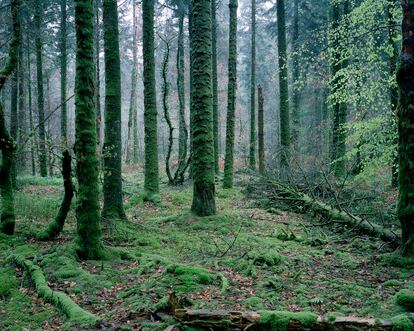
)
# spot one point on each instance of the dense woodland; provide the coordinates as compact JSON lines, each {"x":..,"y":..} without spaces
{"x":207,"y":165}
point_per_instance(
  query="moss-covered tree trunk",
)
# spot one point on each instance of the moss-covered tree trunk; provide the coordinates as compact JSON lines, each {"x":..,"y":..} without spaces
{"x":392,"y":37}
{"x":134,"y":91}
{"x":231,"y":97}
{"x":339,"y":106}
{"x":112,"y":149}
{"x":405,"y":78}
{"x":202,"y":109}
{"x":97,"y":50}
{"x":261,"y":129}
{"x":283,"y":88}
{"x":89,"y":245}
{"x":14,"y":124}
{"x":214,"y":81}
{"x":22,"y":156}
{"x":31,"y":124}
{"x":40,"y":94}
{"x":63,"y":73}
{"x":182,"y":128}
{"x":151,"y":182}
{"x":252,"y":151}
{"x":295,"y":79}
{"x":7,"y":145}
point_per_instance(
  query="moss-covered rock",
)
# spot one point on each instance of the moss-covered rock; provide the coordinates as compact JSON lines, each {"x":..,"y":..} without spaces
{"x":405,"y":299}
{"x":402,"y":323}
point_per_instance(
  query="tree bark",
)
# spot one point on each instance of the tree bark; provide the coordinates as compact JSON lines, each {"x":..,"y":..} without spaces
{"x":112,"y":150}
{"x":295,"y":79}
{"x":202,"y":109}
{"x":63,"y":74}
{"x":151,"y":181}
{"x":88,"y":242}
{"x":252,"y":150}
{"x":214,"y":86}
{"x":261,"y":130}
{"x":231,"y":97}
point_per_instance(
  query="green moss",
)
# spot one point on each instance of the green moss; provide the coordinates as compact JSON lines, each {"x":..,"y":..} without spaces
{"x":392,"y":282}
{"x":191,"y":274}
{"x":402,"y":323}
{"x":8,"y":281}
{"x":405,"y":299}
{"x":269,"y":258}
{"x":279,"y":320}
{"x":396,"y":260}
{"x":254,"y":303}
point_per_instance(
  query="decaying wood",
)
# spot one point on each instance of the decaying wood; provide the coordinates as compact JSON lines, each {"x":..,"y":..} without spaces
{"x":296,"y":198}
{"x":238,"y":320}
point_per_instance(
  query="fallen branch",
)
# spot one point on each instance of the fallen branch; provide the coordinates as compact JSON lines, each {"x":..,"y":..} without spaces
{"x":75,"y":314}
{"x":296,"y":198}
{"x":278,"y":320}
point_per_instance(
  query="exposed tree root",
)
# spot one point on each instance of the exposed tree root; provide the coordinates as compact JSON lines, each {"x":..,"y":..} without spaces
{"x":276,"y":320}
{"x":296,"y":198}
{"x":75,"y":314}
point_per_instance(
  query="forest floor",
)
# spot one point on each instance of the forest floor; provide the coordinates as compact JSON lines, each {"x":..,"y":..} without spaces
{"x":244,"y":258}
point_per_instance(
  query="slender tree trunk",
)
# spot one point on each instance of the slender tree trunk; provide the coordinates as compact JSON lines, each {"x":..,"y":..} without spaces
{"x":295,"y":79}
{"x":215,"y":93}
{"x":134,"y":78}
{"x":135,"y":148}
{"x":339,"y":107}
{"x":261,"y":129}
{"x":112,"y":151}
{"x":405,"y":77}
{"x":252,"y":158}
{"x":40,"y":95}
{"x":63,"y":74}
{"x":31,"y":124}
{"x":97,"y":44}
{"x":22,"y":112}
{"x":392,"y":37}
{"x":14,"y":125}
{"x":231,"y":97}
{"x":202,"y":109}
{"x":283,"y":88}
{"x":89,"y":245}
{"x":7,"y":145}
{"x":151,"y":182}
{"x":190,"y":29}
{"x":182,"y":129}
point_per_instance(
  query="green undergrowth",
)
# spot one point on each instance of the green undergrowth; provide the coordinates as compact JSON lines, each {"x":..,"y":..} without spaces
{"x":243,"y":258}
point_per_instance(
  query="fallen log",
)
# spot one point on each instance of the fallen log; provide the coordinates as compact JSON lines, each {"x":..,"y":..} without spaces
{"x":279,"y":320}
{"x":295,"y":197}
{"x":74,"y":313}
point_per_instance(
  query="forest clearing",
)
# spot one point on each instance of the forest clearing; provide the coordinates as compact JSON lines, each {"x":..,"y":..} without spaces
{"x":184,"y":165}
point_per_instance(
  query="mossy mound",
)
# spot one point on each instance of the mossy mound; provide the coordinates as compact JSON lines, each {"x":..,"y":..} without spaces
{"x":402,"y":323}
{"x":405,"y":299}
{"x":279,"y":320}
{"x":8,"y":281}
{"x":269,"y":259}
{"x":190,"y":275}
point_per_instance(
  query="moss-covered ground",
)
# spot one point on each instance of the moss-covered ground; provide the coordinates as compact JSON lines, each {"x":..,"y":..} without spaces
{"x":243,"y":258}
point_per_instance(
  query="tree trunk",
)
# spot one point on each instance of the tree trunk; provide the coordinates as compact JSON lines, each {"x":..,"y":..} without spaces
{"x":63,"y":74}
{"x":89,"y":245}
{"x":214,"y":82}
{"x":33,"y":142}
{"x":283,"y":88}
{"x":295,"y":80}
{"x":151,"y":182}
{"x":97,"y":50}
{"x":252,"y":158}
{"x":261,"y":130}
{"x":22,"y":113}
{"x":202,"y":108}
{"x":112,"y":150}
{"x":182,"y":129}
{"x":405,"y":76}
{"x":231,"y":97}
{"x":392,"y":37}
{"x":40,"y":95}
{"x":56,"y":226}
{"x":14,"y":124}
